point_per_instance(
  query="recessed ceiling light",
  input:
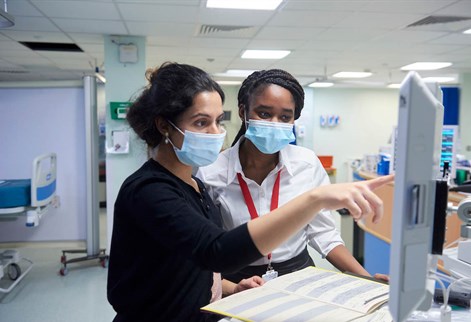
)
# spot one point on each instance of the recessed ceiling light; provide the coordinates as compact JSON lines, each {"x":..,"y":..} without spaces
{"x":467,"y":31}
{"x":244,"y":4}
{"x":426,"y":66}
{"x":265,"y":54}
{"x":235,"y":73}
{"x":439,"y":79}
{"x":321,"y":84}
{"x":222,"y":82}
{"x":395,"y":85}
{"x":352,"y":74}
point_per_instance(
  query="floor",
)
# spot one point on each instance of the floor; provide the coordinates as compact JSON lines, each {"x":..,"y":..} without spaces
{"x":45,"y":295}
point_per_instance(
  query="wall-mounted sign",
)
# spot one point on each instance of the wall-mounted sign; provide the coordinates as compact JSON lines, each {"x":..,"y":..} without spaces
{"x":119,"y":110}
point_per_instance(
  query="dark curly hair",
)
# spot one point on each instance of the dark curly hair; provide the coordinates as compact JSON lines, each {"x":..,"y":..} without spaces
{"x":259,"y":80}
{"x":171,"y":90}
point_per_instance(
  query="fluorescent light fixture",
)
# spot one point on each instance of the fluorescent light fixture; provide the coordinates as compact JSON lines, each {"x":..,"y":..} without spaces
{"x":395,"y":85}
{"x":321,"y":84}
{"x":244,"y":4}
{"x":100,"y":77}
{"x":223,"y":82}
{"x":467,"y":32}
{"x":439,"y":79}
{"x":235,"y":73}
{"x":426,"y":66}
{"x":352,"y":74}
{"x":265,"y":54}
{"x":6,"y":20}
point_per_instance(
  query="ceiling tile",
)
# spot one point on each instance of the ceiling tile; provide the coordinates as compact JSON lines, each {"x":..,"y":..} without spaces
{"x":212,"y":16}
{"x":289,"y":33}
{"x":322,"y":5}
{"x":375,"y":19}
{"x":22,"y":8}
{"x":33,"y":24}
{"x":275,"y":44}
{"x":309,"y":18}
{"x":218,"y":43}
{"x":38,"y":36}
{"x":91,"y":26}
{"x":453,"y":39}
{"x":460,"y":8}
{"x":425,"y":7}
{"x":157,"y":12}
{"x":86,"y":38}
{"x":79,"y":9}
{"x":147,"y":28}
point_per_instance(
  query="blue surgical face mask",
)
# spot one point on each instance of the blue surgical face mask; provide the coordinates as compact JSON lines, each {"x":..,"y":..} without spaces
{"x":269,"y":137}
{"x":198,"y":149}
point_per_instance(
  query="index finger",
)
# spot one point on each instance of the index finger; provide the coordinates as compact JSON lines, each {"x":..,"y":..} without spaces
{"x":380,"y":181}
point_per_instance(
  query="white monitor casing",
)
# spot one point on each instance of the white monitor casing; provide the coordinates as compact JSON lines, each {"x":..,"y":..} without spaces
{"x":418,"y":151}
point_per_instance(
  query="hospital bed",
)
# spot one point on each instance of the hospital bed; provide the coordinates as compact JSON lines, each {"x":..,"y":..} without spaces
{"x":29,"y":198}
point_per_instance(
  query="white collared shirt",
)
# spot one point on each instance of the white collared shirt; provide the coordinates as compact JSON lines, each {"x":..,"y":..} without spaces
{"x":301,"y":171}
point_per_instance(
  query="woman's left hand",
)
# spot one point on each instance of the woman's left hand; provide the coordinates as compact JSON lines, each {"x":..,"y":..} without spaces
{"x":245,"y":284}
{"x":382,"y":277}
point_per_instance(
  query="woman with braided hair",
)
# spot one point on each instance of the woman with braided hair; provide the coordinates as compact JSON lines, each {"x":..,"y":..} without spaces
{"x":262,"y":171}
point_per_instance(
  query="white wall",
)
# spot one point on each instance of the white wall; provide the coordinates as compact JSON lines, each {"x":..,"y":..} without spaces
{"x":34,"y":121}
{"x":366,"y":120}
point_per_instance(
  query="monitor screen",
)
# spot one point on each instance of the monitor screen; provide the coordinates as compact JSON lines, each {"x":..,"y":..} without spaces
{"x":418,"y":150}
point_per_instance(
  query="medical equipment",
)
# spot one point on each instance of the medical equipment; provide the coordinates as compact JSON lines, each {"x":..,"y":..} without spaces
{"x":31,"y":197}
{"x":457,"y":260}
{"x":416,"y":190}
{"x":93,"y":250}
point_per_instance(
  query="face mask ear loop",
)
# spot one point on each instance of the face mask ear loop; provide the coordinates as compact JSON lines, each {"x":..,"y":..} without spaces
{"x":171,"y":123}
{"x":167,"y":139}
{"x":246,"y":122}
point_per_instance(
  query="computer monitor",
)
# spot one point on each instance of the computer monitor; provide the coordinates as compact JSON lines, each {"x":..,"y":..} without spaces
{"x":418,"y":149}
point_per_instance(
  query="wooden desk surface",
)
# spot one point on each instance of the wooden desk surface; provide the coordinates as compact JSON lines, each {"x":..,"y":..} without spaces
{"x":382,"y":230}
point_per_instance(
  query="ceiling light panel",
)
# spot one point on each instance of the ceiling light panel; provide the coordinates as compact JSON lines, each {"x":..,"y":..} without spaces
{"x":265,"y":54}
{"x":426,"y":66}
{"x":244,"y":4}
{"x":439,"y":79}
{"x":235,"y":73}
{"x":321,"y":84}
{"x":352,"y":74}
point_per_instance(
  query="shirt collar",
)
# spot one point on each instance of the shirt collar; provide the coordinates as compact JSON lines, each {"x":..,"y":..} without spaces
{"x":235,"y":166}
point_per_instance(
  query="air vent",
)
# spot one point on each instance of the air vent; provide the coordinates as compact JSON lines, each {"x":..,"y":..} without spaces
{"x":50,"y":46}
{"x":437,"y":19}
{"x":226,"y":31}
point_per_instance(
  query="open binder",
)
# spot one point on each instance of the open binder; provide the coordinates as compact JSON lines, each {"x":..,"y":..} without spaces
{"x":311,"y":294}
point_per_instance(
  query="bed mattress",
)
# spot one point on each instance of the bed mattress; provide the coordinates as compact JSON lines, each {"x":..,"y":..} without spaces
{"x":15,"y":193}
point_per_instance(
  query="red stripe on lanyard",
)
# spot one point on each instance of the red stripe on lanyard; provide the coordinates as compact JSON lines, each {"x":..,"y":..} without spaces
{"x":249,"y":201}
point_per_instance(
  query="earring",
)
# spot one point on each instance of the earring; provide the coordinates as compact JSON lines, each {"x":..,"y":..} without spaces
{"x":166,"y":138}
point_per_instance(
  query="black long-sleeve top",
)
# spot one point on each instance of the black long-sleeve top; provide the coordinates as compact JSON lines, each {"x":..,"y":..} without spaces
{"x":167,"y":241}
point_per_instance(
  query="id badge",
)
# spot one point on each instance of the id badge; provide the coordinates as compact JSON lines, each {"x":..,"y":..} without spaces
{"x":269,"y":275}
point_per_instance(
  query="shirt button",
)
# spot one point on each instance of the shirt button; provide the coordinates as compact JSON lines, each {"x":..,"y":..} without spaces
{"x":207,"y":207}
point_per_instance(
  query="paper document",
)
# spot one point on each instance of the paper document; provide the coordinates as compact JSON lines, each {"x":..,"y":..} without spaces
{"x":311,"y":294}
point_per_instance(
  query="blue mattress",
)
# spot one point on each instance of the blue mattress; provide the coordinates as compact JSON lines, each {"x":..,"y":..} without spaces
{"x":15,"y":193}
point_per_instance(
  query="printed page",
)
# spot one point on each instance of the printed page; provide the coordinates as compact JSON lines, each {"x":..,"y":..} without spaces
{"x":265,"y":304}
{"x":335,"y":288}
{"x":311,"y":294}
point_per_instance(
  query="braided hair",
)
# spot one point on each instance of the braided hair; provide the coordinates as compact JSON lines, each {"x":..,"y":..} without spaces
{"x":258,"y":81}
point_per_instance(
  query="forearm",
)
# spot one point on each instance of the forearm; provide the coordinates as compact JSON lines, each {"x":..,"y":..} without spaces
{"x":271,"y":230}
{"x":228,"y":287}
{"x":343,"y":260}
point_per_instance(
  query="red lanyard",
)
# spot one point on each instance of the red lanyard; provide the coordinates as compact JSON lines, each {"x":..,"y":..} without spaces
{"x":249,"y":201}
